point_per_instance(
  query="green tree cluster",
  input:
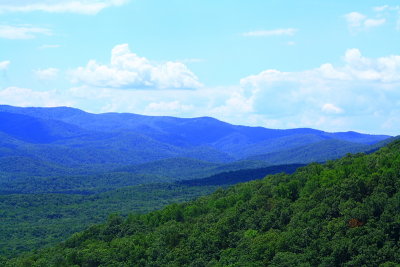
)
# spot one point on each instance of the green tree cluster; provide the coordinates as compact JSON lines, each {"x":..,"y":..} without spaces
{"x":342,"y":213}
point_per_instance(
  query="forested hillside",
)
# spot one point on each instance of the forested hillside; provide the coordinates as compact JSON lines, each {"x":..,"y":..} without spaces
{"x":342,"y":213}
{"x":33,"y":221}
{"x":41,"y":216}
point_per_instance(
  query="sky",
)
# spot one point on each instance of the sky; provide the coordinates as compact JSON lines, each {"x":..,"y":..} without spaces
{"x":330,"y":65}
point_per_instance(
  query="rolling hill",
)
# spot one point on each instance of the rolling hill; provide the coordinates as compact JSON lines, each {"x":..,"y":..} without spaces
{"x":68,"y":150}
{"x":342,"y":213}
{"x":71,"y":137}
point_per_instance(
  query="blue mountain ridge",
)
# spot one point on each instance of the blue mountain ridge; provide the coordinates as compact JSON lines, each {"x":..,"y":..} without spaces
{"x":124,"y":138}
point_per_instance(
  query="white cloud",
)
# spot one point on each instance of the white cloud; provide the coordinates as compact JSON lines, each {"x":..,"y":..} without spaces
{"x":357,"y":68}
{"x":331,"y":109}
{"x":381,"y":8}
{"x":46,"y":74}
{"x":374,"y":22}
{"x":288,"y":31}
{"x":384,"y":69}
{"x":22,"y":32}
{"x":389,"y":12}
{"x":235,"y":103}
{"x":88,"y":7}
{"x":128,"y":70}
{"x":170,"y":108}
{"x":27,"y":97}
{"x":355,"y":19}
{"x":358,"y":21}
{"x":4,"y":64}
{"x":361,"y":94}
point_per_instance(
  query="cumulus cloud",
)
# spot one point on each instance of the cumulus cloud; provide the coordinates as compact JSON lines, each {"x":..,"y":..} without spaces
{"x":358,"y":21}
{"x":46,"y":74}
{"x":22,"y":32}
{"x":128,"y":70}
{"x":360,"y":93}
{"x":385,"y":70}
{"x":275,"y":32}
{"x":88,"y":7}
{"x":4,"y":64}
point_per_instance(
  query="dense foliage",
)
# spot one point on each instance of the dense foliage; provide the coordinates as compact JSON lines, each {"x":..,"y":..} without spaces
{"x":26,"y":175}
{"x":36,"y":218}
{"x":241,"y":176}
{"x":31,"y":221}
{"x":342,"y":213}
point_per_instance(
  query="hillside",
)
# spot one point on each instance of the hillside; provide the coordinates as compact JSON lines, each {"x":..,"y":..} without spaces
{"x":33,"y":221}
{"x":240,"y":176}
{"x":342,"y":213}
{"x":316,"y":152}
{"x":37,"y":215}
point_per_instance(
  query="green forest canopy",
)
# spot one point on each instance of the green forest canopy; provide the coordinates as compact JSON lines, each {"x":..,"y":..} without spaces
{"x":342,"y":213}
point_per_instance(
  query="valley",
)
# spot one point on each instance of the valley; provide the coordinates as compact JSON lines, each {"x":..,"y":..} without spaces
{"x":63,"y":170}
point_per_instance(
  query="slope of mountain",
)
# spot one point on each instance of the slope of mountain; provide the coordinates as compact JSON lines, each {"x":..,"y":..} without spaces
{"x":39,"y":217}
{"x":161,"y":137}
{"x":316,"y":152}
{"x":342,"y":213}
{"x":32,"y":221}
{"x":240,"y":176}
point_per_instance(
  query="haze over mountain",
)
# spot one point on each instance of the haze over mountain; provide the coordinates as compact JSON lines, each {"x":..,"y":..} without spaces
{"x":123,"y":138}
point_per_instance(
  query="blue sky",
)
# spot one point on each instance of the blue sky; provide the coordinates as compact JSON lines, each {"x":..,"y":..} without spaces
{"x":331,"y":65}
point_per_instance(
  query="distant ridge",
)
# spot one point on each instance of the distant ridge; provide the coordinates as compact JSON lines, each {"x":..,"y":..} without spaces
{"x":69,"y":150}
{"x":204,"y":138}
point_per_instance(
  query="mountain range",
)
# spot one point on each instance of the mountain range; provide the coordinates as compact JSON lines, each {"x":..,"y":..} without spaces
{"x":71,"y":137}
{"x":63,"y":169}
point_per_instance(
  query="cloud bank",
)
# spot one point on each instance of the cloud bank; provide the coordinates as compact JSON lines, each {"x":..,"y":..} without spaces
{"x":360,"y":94}
{"x":335,"y":95}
